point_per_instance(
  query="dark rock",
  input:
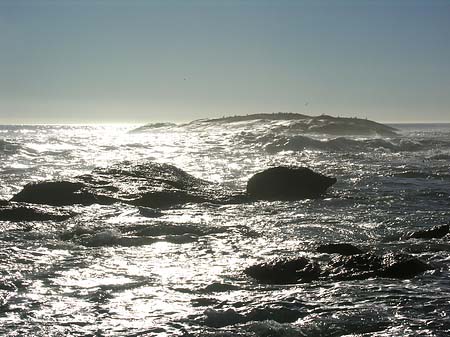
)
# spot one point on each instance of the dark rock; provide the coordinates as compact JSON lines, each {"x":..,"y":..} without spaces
{"x":368,"y":265}
{"x":56,"y":193}
{"x":22,"y":213}
{"x":221,"y":318}
{"x":277,"y":314}
{"x":340,"y":268}
{"x":288,"y":183}
{"x":339,"y":248}
{"x":402,"y":266}
{"x":145,"y":184}
{"x":162,"y":199}
{"x":353,"y":267}
{"x":4,"y":202}
{"x":435,"y":232}
{"x":283,"y":271}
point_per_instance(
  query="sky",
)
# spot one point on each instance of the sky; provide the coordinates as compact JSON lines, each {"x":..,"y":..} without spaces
{"x":136,"y":61}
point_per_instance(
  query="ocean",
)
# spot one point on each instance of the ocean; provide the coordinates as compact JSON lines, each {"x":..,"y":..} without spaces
{"x":181,"y":273}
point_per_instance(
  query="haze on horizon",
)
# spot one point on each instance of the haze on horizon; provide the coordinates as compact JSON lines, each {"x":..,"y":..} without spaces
{"x":138,"y":61}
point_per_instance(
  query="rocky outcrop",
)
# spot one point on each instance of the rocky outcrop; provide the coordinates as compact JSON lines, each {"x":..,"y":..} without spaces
{"x":145,"y":184}
{"x":352,"y":267}
{"x":21,"y":213}
{"x":283,"y":271}
{"x":58,"y":193}
{"x":157,"y":185}
{"x":402,"y":266}
{"x":288,"y":183}
{"x":368,"y":265}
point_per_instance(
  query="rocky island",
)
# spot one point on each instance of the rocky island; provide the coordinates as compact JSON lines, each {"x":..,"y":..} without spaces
{"x":294,"y":122}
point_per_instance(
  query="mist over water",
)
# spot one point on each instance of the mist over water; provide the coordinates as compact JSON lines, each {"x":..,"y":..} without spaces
{"x":115,"y":271}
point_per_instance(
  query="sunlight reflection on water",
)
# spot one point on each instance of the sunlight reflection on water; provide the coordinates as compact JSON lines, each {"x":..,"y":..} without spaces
{"x":111,"y":271}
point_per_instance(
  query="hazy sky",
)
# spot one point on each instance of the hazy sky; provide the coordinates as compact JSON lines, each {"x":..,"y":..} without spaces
{"x":141,"y":61}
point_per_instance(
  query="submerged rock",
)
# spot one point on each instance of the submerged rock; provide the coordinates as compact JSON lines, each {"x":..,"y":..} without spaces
{"x":339,"y":248}
{"x":146,"y":184}
{"x":288,"y":183}
{"x":24,"y":213}
{"x":340,"y":268}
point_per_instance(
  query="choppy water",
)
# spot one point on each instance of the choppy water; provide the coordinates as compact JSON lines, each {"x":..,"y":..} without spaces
{"x":112,"y":272}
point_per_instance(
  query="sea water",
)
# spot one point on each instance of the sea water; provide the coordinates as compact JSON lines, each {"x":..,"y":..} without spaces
{"x":113,"y":271}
